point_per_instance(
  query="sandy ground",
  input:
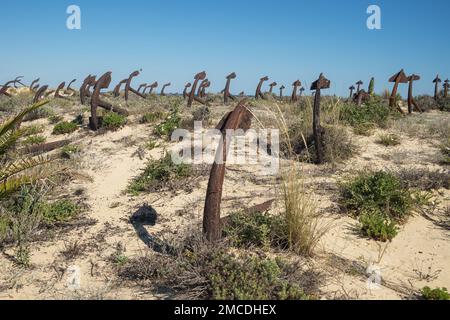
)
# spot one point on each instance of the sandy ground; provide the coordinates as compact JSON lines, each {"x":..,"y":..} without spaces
{"x":418,"y":256}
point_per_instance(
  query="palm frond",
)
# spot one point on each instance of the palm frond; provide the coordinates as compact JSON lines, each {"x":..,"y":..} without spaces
{"x":11,"y":124}
{"x":9,"y":139}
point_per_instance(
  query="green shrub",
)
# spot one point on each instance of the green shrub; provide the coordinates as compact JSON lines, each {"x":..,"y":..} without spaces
{"x":54,"y":119}
{"x":113,"y":121}
{"x":370,"y":114}
{"x":376,"y":226}
{"x":250,"y":278}
{"x":255,"y":229}
{"x":159,"y":173}
{"x":152,"y":117}
{"x":32,"y":130}
{"x":389,"y":140}
{"x":60,"y":211}
{"x":379,"y":191}
{"x":169,"y":125}
{"x":65,"y":128}
{"x":34,"y":140}
{"x":435,"y":294}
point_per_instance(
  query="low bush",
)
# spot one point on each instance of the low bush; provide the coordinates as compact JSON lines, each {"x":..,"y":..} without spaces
{"x":389,"y":140}
{"x":152,"y":117}
{"x":60,"y":211}
{"x":435,"y":294}
{"x":158,"y":174}
{"x":169,"y":125}
{"x":378,"y":227}
{"x":34,"y":140}
{"x":113,"y":121}
{"x":65,"y":128}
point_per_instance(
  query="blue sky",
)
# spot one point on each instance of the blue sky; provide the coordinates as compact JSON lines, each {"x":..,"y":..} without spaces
{"x":171,"y":40}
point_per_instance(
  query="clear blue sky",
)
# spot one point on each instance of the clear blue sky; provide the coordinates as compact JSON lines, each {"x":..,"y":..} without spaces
{"x":171,"y":40}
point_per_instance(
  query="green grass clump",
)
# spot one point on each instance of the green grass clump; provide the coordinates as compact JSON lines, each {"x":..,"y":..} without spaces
{"x":113,"y":121}
{"x":60,"y":211}
{"x":169,"y":125}
{"x":255,"y":229}
{"x":159,"y":173}
{"x":435,"y":294}
{"x":54,"y":119}
{"x":34,"y":140}
{"x":152,"y":117}
{"x":65,"y":128}
{"x":389,"y":140}
{"x":380,"y":201}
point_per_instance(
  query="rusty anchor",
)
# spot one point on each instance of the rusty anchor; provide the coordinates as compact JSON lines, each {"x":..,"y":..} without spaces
{"x":206,"y":85}
{"x":152,"y":87}
{"x":361,"y":96}
{"x":198,"y":77}
{"x":359,"y":84}
{"x":226,"y":92}
{"x":128,"y":87}
{"x":69,"y":87}
{"x":33,"y":84}
{"x":40,"y":94}
{"x":318,"y":85}
{"x":352,"y":88}
{"x":436,"y":81}
{"x":281,"y":91}
{"x":411,"y":102}
{"x":301,"y":91}
{"x":142,"y":86}
{"x":88,"y":82}
{"x":258,"y":93}
{"x":397,"y":79}
{"x":296,"y":84}
{"x":240,"y":118}
{"x":58,"y":89}
{"x":116,"y":91}
{"x":186,"y":87}
{"x":6,"y":86}
{"x":164,"y":88}
{"x":271,"y":86}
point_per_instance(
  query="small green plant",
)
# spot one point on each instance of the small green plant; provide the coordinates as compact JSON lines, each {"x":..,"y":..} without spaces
{"x":69,"y":151}
{"x":376,"y":226}
{"x":389,"y":140}
{"x":32,"y":130}
{"x":435,"y":294}
{"x":158,"y":173}
{"x":256,"y":229}
{"x":152,"y":117}
{"x":54,"y":119}
{"x":150,"y":145}
{"x":60,"y":211}
{"x":34,"y":140}
{"x":65,"y":128}
{"x":113,"y":121}
{"x":170,"y":124}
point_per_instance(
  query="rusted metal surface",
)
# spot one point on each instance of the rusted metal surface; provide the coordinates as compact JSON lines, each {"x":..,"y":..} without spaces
{"x":201,"y":86}
{"x":33,"y":84}
{"x":446,"y":86}
{"x":128,"y":87}
{"x":40,"y":94}
{"x":397,"y":79}
{"x":206,"y":85}
{"x":153,"y":86}
{"x":84,"y":89}
{"x":318,"y":85}
{"x":69,"y":87}
{"x":295,"y":85}
{"x":186,"y":87}
{"x":436,"y":82}
{"x":352,"y":88}
{"x":411,"y":101}
{"x":359,"y":84}
{"x":226,"y":92}
{"x":103,"y":83}
{"x":116,"y":91}
{"x":281,"y":91}
{"x":164,"y":88}
{"x":258,"y":93}
{"x":240,"y":118}
{"x":6,"y":86}
{"x":58,"y":89}
{"x":197,"y":78}
{"x":271,"y":86}
{"x":142,"y":86}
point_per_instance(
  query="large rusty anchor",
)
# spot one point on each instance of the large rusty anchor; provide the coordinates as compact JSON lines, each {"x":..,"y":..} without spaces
{"x":318,"y":85}
{"x":198,"y":77}
{"x":58,"y":90}
{"x":436,"y":82}
{"x":240,"y":118}
{"x":152,"y":87}
{"x":164,"y":88}
{"x":6,"y":86}
{"x":271,"y":86}
{"x":128,"y":87}
{"x":186,"y":87}
{"x":411,"y":101}
{"x":296,"y":84}
{"x":397,"y":79}
{"x":88,"y":82}
{"x":40,"y":94}
{"x":116,"y":92}
{"x":258,"y":93}
{"x":226,"y":92}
